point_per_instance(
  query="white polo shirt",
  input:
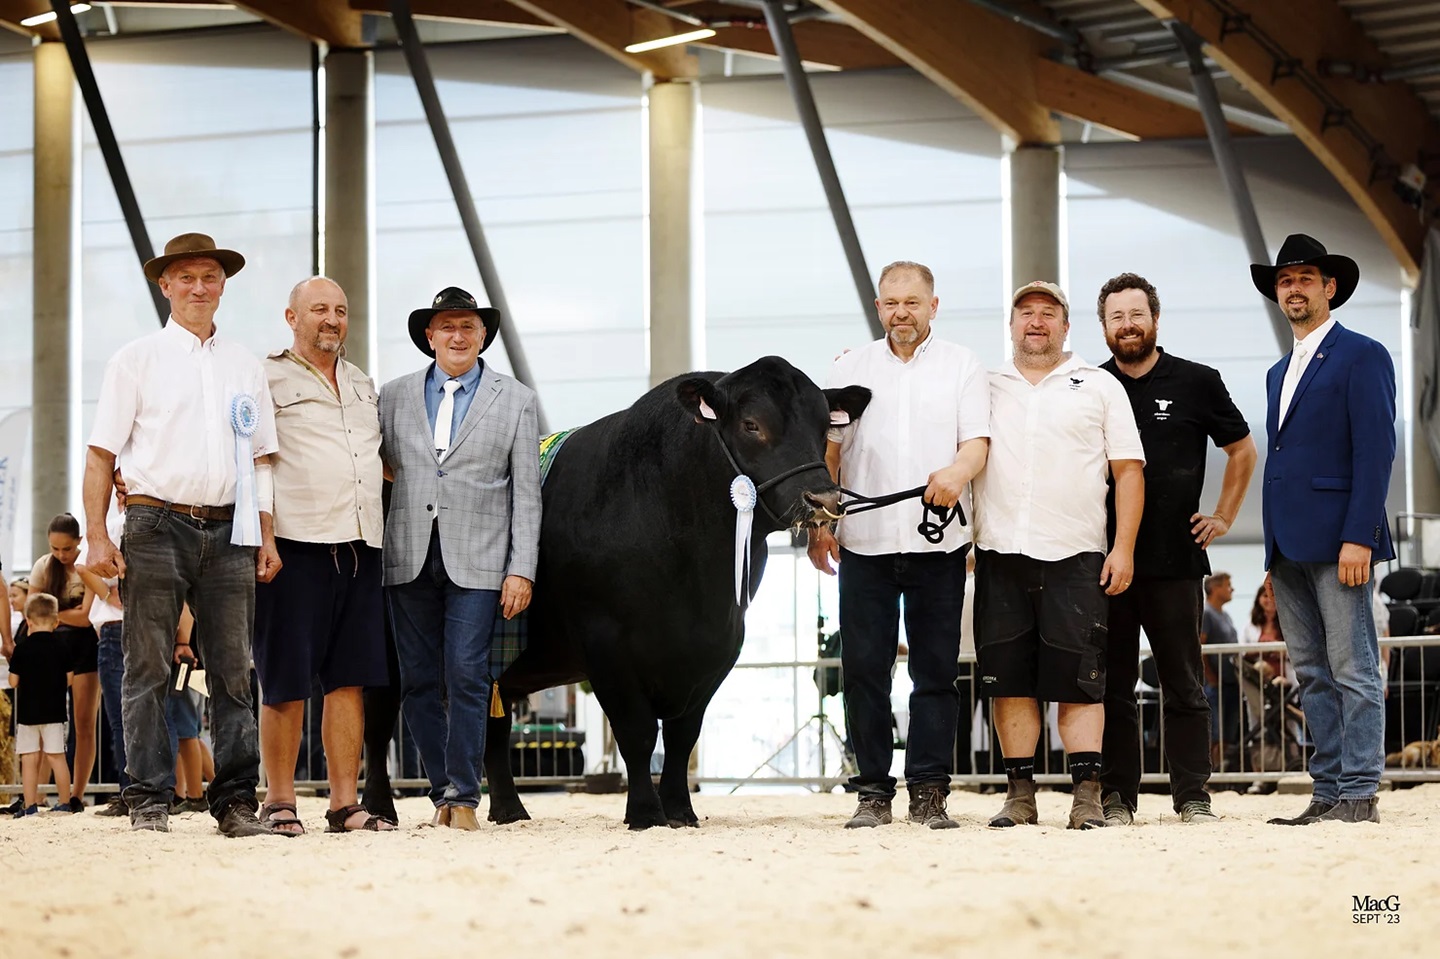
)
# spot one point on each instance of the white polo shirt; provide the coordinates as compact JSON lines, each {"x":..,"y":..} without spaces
{"x":1042,"y":492}
{"x":164,"y":411}
{"x":919,"y":414}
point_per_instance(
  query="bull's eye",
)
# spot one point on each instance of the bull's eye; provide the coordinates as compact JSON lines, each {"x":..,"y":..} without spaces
{"x":751,"y":426}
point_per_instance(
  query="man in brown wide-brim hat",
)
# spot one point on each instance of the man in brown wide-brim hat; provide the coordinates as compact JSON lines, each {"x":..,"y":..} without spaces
{"x":192,"y":412}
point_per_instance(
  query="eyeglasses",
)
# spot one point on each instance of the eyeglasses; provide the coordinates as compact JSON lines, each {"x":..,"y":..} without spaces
{"x":1134,"y":316}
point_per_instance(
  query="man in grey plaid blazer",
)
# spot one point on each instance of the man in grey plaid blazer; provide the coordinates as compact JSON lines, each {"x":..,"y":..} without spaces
{"x":462,"y":537}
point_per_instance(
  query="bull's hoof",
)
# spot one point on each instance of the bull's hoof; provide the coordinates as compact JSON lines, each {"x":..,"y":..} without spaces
{"x":382,"y":805}
{"x":645,"y":820}
{"x":507,"y":815}
{"x":692,"y":822}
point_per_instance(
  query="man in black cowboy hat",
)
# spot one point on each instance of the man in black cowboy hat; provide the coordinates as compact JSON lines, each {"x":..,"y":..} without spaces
{"x":1330,"y":420}
{"x":462,"y":538}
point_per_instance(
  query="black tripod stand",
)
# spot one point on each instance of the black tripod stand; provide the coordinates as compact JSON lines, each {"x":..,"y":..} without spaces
{"x":827,"y":683}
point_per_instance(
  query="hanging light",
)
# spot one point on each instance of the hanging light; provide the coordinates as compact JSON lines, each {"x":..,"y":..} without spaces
{"x":678,"y":38}
{"x":46,"y":17}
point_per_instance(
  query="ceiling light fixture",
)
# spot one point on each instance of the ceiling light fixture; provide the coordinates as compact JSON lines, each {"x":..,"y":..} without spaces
{"x":40,"y":18}
{"x":678,"y":38}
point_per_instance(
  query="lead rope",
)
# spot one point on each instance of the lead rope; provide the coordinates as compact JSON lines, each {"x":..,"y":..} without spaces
{"x":932,"y":530}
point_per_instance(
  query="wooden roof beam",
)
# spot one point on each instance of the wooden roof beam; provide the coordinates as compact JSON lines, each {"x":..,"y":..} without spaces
{"x":13,"y":11}
{"x":330,"y":21}
{"x":1390,"y":113}
{"x":610,"y":25}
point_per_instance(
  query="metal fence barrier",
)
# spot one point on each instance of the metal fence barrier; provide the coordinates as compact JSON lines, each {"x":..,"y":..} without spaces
{"x":1262,"y":736}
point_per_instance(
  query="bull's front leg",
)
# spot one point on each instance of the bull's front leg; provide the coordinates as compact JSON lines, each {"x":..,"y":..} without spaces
{"x":681,"y":735}
{"x":505,"y":804}
{"x":382,"y":709}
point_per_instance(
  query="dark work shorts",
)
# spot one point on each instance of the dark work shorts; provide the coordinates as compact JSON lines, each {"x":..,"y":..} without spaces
{"x":322,"y":616}
{"x":1040,"y":627}
{"x":83,"y":644}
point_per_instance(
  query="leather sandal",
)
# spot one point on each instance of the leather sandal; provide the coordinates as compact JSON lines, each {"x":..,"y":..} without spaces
{"x":279,"y":826}
{"x":335,"y":820}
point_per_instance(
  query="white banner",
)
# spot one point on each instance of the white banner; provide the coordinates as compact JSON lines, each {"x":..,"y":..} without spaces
{"x":14,"y":445}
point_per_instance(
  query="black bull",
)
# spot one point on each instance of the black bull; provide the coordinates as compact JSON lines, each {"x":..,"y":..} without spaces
{"x":635,"y":590}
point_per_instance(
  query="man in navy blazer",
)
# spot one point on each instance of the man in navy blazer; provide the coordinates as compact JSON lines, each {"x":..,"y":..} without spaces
{"x":1331,"y":424}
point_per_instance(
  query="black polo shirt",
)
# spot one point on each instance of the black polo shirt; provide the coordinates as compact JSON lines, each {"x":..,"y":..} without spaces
{"x":1177,"y":405}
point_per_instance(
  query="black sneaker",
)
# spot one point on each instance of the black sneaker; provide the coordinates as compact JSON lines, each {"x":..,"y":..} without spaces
{"x":240,"y":822}
{"x":927,"y":807}
{"x":873,"y":811}
{"x":152,"y":818}
{"x":114,"y":809}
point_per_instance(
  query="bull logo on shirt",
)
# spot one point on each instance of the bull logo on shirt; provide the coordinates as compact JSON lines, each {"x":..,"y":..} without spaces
{"x":1164,"y":412}
{"x":1075,"y":383}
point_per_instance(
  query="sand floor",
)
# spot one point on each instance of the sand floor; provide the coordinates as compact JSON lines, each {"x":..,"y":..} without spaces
{"x":765,"y":875}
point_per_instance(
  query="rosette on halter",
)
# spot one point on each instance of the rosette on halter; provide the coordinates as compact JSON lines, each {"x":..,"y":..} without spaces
{"x":244,"y":418}
{"x":743,"y":495}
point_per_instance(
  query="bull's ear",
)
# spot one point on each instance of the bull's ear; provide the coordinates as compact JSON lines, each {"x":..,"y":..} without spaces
{"x":701,"y":397}
{"x":847,"y":404}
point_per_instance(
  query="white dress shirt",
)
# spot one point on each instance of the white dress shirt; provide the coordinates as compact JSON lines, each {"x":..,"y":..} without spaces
{"x":164,"y":411}
{"x":1300,"y":356}
{"x":919,"y":414}
{"x":1042,"y":492}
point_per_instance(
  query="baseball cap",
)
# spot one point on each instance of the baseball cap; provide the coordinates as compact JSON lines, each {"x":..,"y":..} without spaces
{"x":1051,"y":290}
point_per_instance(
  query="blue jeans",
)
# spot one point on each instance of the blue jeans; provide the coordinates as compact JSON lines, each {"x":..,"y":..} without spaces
{"x":1330,"y":633}
{"x":932,"y":587}
{"x":171,"y":559}
{"x":443,"y":627}
{"x":111,"y":667}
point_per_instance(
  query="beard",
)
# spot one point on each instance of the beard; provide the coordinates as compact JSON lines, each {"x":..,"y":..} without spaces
{"x":1299,"y":312}
{"x":904,"y":335}
{"x":328,"y":341}
{"x":1131,"y":352}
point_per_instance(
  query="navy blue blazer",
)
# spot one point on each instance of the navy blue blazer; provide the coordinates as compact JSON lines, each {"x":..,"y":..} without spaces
{"x":1327,"y":468}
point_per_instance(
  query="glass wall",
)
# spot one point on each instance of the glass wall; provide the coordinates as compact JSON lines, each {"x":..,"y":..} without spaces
{"x":17,"y":106}
{"x":549,"y":132}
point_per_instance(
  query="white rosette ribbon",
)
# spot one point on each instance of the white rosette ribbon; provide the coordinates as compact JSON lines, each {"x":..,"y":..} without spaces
{"x":743,"y":495}
{"x":244,"y":419}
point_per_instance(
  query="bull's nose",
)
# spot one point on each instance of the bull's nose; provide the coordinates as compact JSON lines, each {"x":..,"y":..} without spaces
{"x":827,"y":503}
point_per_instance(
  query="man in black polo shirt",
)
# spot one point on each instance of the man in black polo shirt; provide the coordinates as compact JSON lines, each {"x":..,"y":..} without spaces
{"x":1177,"y":404}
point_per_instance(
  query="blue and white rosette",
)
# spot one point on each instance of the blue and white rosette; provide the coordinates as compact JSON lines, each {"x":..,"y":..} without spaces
{"x":743,"y":495}
{"x":244,"y":419}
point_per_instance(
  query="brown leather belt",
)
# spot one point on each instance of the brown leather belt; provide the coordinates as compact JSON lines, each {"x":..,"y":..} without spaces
{"x":194,"y":512}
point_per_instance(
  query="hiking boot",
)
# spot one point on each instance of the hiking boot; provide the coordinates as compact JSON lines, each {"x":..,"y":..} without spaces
{"x":1086,"y":811}
{"x":927,"y":807}
{"x":152,"y":818}
{"x":873,"y":811}
{"x":1352,"y":810}
{"x":1311,"y":813}
{"x":1198,"y":811}
{"x":114,"y":809}
{"x":1117,"y":811}
{"x":1019,"y":808}
{"x":239,"y":822}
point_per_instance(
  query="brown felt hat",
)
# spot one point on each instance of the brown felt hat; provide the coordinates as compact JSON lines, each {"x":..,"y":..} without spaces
{"x":189,"y":245}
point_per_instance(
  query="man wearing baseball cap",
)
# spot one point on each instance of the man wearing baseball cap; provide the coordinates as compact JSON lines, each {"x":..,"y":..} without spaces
{"x":462,"y":538}
{"x":1060,"y":427}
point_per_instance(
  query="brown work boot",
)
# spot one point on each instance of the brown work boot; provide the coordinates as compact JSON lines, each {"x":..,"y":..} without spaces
{"x":441,"y":817}
{"x":873,"y":811}
{"x":463,"y":817}
{"x":1019,"y":808}
{"x":927,"y":806}
{"x":1087,"y":811}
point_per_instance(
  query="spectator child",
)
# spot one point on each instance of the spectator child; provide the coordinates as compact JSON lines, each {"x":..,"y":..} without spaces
{"x":40,"y":670}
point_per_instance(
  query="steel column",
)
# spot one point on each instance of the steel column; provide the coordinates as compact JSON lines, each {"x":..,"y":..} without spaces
{"x":800,"y":92}
{"x":109,"y":148}
{"x":1230,"y":173}
{"x":419,"y":66}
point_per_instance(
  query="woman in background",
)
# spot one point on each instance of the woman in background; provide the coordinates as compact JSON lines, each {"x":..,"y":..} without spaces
{"x":56,"y":574}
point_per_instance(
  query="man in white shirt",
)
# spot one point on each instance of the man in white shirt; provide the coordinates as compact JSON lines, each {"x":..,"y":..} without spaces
{"x":321,"y":617}
{"x":1061,"y":427}
{"x":928,"y":422}
{"x":189,"y":414}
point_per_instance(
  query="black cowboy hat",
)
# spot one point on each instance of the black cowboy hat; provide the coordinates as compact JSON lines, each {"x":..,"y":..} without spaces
{"x":453,"y":298}
{"x":1301,"y":250}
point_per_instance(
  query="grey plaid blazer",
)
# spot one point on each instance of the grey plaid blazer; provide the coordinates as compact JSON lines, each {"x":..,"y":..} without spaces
{"x":485,"y":496}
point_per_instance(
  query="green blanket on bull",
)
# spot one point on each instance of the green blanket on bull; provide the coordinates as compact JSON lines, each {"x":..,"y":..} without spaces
{"x":508,"y":639}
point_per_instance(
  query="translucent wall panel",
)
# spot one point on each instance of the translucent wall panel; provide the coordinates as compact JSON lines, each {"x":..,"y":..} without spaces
{"x":17,"y":92}
{"x":549,"y":132}
{"x":216,"y":134}
{"x":922,"y":176}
